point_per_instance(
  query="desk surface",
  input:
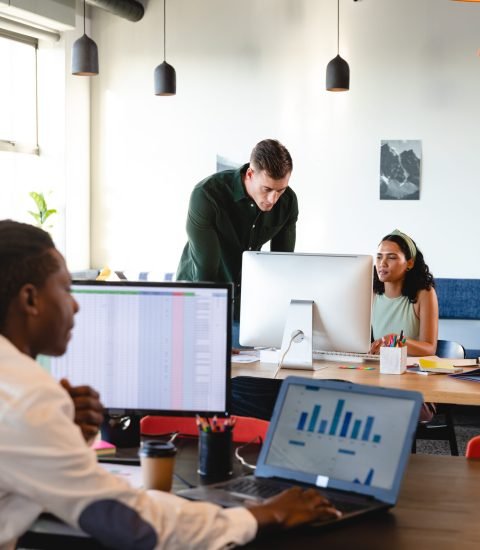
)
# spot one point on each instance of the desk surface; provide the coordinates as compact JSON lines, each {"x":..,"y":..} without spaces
{"x":436,"y":511}
{"x":437,"y":388}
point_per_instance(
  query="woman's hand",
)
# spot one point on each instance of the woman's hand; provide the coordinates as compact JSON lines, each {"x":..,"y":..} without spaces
{"x":377,"y":344}
{"x":375,"y":347}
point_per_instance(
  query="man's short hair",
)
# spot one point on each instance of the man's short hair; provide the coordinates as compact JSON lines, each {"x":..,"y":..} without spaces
{"x":273,"y":157}
{"x":24,"y":259}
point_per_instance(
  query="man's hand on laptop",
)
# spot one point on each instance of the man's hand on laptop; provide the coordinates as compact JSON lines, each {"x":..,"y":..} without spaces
{"x":292,"y":508}
{"x":88,"y":408}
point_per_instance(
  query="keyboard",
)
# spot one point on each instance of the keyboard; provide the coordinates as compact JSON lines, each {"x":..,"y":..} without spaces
{"x":344,"y":357}
{"x":257,"y":488}
{"x":265,"y":488}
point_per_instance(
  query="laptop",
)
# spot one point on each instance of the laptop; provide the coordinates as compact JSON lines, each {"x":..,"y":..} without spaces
{"x":350,"y":441}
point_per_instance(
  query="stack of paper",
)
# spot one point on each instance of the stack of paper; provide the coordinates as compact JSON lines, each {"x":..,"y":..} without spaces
{"x":437,"y":365}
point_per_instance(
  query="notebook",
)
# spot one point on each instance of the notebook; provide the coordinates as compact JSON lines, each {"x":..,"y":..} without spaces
{"x":350,"y":441}
{"x":472,"y":376}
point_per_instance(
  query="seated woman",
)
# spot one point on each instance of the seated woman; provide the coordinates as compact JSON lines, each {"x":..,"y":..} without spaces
{"x":405,"y":298}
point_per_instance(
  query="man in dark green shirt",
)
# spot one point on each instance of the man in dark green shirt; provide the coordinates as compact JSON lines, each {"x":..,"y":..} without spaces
{"x":238,"y":210}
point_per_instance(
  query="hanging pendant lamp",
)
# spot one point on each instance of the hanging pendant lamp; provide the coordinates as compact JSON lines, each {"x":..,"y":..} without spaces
{"x":338,"y":71}
{"x":84,"y":54}
{"x":165,"y":78}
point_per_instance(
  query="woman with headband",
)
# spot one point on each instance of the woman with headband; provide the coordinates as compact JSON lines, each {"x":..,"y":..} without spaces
{"x":405,"y":300}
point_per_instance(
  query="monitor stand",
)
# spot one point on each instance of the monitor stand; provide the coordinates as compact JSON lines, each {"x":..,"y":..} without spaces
{"x":299,"y":318}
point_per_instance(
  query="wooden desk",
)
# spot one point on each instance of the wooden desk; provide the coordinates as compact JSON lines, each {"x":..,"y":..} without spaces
{"x":436,"y":511}
{"x":438,"y":388}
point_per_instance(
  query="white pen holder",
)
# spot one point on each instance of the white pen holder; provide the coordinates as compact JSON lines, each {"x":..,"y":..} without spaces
{"x":393,"y":360}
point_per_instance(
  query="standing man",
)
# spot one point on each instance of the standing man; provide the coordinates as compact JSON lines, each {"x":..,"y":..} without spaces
{"x":238,"y":210}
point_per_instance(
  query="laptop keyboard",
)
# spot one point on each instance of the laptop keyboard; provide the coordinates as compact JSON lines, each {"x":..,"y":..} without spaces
{"x":255,"y":487}
{"x":264,"y":488}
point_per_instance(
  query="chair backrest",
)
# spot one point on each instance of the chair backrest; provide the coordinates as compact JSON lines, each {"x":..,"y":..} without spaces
{"x":246,"y":428}
{"x":450,"y":349}
{"x":473,"y":447}
{"x":162,"y":425}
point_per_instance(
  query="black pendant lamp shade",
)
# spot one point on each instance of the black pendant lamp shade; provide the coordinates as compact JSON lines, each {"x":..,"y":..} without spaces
{"x":84,"y":54}
{"x":338,"y":75}
{"x":84,"y":57}
{"x":338,"y":71}
{"x":165,"y":78}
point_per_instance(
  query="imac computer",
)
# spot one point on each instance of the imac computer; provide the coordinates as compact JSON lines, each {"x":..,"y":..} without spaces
{"x":301,"y":303}
{"x":151,"y":348}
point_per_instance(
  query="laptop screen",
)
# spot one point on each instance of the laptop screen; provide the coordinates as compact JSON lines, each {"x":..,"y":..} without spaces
{"x":341,"y":435}
{"x":151,"y":347}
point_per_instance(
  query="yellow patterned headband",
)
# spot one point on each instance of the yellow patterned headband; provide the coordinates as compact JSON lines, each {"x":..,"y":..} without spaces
{"x":408,"y":241}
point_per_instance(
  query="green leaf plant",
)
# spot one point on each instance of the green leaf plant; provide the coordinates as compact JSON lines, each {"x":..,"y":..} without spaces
{"x":43,"y":212}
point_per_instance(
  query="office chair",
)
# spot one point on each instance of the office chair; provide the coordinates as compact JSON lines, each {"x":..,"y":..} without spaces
{"x":246,"y":428}
{"x":450,"y":349}
{"x":473,"y":448}
{"x":442,"y":429}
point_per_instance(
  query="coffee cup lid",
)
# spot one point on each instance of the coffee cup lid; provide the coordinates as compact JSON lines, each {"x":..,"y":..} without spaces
{"x":152,"y":448}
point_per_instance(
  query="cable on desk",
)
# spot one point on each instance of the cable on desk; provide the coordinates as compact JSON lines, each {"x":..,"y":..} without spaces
{"x":297,"y":336}
{"x":173,"y":437}
{"x":183,"y":480}
{"x":170,"y":435}
{"x":240,"y":458}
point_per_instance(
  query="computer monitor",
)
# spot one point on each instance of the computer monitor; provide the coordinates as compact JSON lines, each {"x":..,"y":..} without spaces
{"x":151,"y":348}
{"x":332,"y":296}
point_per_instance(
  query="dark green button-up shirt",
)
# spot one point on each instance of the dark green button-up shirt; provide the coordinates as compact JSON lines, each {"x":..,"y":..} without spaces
{"x":223,"y":222}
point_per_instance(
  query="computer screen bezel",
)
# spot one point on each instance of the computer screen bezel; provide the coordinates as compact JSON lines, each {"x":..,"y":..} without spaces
{"x":387,"y":495}
{"x":175,"y":284}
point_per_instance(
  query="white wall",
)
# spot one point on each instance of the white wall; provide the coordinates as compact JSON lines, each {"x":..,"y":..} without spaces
{"x":77,"y":156}
{"x":252,"y":69}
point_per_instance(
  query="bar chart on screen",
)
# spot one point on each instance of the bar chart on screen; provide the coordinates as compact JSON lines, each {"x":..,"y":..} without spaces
{"x":343,"y":424}
{"x":368,"y":479}
{"x":340,"y":435}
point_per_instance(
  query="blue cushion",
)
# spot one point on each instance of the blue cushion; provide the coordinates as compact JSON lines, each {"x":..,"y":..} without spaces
{"x":472,"y":353}
{"x":458,"y":298}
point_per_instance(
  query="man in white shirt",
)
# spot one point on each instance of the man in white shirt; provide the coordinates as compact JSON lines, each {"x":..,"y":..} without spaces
{"x":45,"y":463}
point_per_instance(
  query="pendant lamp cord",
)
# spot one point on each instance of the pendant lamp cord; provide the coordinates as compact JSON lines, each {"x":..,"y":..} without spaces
{"x":164,"y":30}
{"x":84,"y":32}
{"x":338,"y":27}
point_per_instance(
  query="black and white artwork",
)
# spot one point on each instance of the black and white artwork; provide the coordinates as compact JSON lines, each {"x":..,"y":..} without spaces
{"x":400,"y":162}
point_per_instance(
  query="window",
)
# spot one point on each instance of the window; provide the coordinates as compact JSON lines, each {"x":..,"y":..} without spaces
{"x":18,"y":93}
{"x":18,"y":124}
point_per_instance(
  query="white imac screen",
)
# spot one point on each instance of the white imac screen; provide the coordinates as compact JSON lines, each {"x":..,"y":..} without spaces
{"x":347,"y":436}
{"x":149,"y":347}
